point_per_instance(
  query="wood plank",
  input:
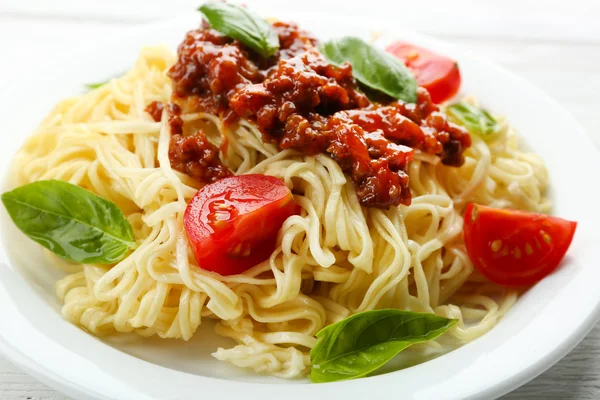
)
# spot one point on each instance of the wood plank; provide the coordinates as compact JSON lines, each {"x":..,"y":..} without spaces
{"x":577,"y":376}
{"x":16,"y":385}
{"x":574,"y":20}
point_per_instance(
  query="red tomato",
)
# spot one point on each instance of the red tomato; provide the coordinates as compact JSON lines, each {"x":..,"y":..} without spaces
{"x":515,"y":248}
{"x":232,"y":224}
{"x":438,"y":74}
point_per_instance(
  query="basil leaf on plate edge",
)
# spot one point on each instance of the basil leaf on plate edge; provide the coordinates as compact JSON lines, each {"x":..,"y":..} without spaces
{"x":362,"y":343}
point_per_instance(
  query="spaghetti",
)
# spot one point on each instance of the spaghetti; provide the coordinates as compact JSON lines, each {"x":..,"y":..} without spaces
{"x":335,"y":259}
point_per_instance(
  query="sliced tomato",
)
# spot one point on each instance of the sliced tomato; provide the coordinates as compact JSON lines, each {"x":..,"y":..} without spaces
{"x":438,"y":74}
{"x":515,"y":248}
{"x":232,"y":224}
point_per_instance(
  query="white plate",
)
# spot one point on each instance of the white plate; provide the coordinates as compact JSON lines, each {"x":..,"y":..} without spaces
{"x":547,"y":321}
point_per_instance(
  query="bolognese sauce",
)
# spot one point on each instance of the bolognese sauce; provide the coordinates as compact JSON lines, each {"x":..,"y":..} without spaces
{"x":192,"y":154}
{"x":298,"y":100}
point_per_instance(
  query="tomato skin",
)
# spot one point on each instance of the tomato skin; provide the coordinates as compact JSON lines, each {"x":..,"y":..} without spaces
{"x":438,"y":74}
{"x":232,"y":224}
{"x":515,"y":248}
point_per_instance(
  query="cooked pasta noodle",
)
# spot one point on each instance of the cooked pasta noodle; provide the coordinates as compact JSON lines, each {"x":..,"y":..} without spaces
{"x":335,"y":259}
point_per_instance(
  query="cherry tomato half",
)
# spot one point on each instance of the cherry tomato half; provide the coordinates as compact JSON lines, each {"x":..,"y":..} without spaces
{"x":515,"y":248}
{"x":438,"y":74}
{"x":232,"y":224}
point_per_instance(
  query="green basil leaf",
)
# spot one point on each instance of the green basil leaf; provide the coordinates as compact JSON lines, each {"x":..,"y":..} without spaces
{"x":475,"y":119}
{"x":238,"y":23}
{"x":363,"y":342}
{"x":96,"y":85}
{"x":373,"y":67}
{"x":70,"y":221}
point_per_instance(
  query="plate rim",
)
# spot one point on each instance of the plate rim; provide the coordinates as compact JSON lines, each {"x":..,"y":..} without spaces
{"x":48,"y":376}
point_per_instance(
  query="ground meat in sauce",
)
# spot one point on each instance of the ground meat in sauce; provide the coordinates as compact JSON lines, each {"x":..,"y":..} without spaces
{"x":155,"y":110}
{"x":194,"y":154}
{"x":197,"y":157}
{"x":300,"y":101}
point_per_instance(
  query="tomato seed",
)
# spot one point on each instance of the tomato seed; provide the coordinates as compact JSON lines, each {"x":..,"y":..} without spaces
{"x":496,"y":245}
{"x":517,"y":253}
{"x":474,"y":213}
{"x":545,"y":236}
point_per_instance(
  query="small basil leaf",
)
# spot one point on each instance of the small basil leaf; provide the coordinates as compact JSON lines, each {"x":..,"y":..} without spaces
{"x":238,"y":23}
{"x":475,"y":119}
{"x":70,"y":221}
{"x":372,"y":67}
{"x":363,"y":342}
{"x":96,"y":85}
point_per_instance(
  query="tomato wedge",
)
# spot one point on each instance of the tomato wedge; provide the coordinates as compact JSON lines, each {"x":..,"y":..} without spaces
{"x":232,"y":224}
{"x":438,"y":74}
{"x":515,"y":248}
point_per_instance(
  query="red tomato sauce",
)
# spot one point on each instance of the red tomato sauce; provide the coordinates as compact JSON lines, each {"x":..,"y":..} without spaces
{"x":300,"y":101}
{"x":155,"y":109}
{"x":193,"y":154}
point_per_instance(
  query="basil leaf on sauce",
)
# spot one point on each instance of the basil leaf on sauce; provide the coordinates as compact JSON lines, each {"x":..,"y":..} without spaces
{"x":238,"y":23}
{"x":70,"y":221}
{"x":475,"y":119}
{"x":363,"y":342}
{"x":373,"y":67}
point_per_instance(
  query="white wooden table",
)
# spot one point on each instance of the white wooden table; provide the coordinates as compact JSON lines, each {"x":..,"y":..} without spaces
{"x":554,"y":43}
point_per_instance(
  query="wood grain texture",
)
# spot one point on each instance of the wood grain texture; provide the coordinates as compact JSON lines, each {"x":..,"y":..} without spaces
{"x":577,"y":376}
{"x":573,"y":20}
{"x":16,"y":385}
{"x":555,"y":44}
